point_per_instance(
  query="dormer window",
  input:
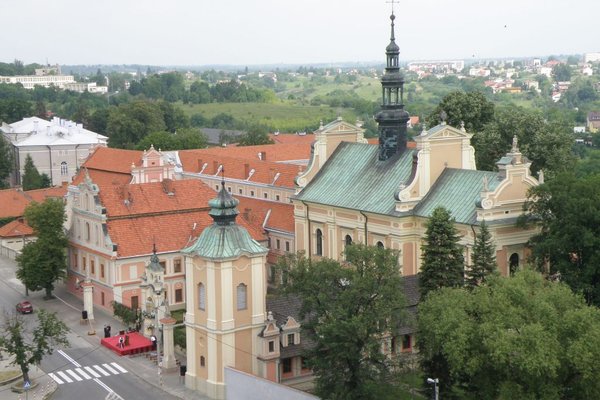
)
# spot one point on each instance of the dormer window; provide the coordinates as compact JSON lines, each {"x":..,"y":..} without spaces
{"x":290,"y":339}
{"x":271,"y":346}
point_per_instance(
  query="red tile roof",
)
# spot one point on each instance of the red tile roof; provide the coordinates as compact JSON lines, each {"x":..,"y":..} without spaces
{"x":288,"y":138}
{"x":155,"y":197}
{"x":114,"y":160}
{"x":102,"y":178}
{"x":272,"y":152}
{"x":236,"y":168}
{"x":278,"y":216}
{"x":14,"y":201}
{"x":16,"y":228}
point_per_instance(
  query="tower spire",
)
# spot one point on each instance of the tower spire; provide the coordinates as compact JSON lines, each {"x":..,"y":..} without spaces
{"x":392,"y":118}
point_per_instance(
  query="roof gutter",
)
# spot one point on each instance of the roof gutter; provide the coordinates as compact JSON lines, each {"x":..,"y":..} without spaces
{"x":366,"y":231}
{"x":51,"y":175}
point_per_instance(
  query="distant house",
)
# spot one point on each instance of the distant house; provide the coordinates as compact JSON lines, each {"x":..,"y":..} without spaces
{"x":57,"y":147}
{"x":593,"y":121}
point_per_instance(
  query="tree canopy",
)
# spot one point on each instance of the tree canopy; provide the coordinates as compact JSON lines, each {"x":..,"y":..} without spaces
{"x":346,"y":311}
{"x":257,"y":134}
{"x":442,"y":259}
{"x":472,"y":108}
{"x":28,"y":344}
{"x":6,"y":162}
{"x":567,"y":210}
{"x":43,"y":262}
{"x":31,"y":178}
{"x":183,"y":139}
{"x":514,"y":338}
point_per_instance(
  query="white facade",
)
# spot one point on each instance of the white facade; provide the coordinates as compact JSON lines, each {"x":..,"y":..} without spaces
{"x":29,"y":81}
{"x":591,"y":57}
{"x":85,"y":87}
{"x":57,"y":147}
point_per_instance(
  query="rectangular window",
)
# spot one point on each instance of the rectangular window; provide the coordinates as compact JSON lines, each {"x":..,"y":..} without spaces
{"x":290,"y":339}
{"x":83,"y":263}
{"x":252,"y":193}
{"x":287,"y":246}
{"x":133,"y":272}
{"x":229,"y":189}
{"x":163,"y":264}
{"x":287,"y":365}
{"x":277,"y":197}
{"x":92,"y":267}
{"x":271,"y":346}
{"x":266,"y":195}
{"x":242,"y":292}
{"x":278,"y":244}
{"x":240,"y":191}
{"x":406,"y":342}
{"x":102,"y":298}
{"x":201,"y":296}
{"x":178,"y":295}
{"x":177,"y":266}
{"x":101,"y":270}
{"x":135,"y":302}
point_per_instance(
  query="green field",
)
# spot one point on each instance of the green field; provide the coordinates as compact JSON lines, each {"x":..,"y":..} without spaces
{"x":282,"y":116}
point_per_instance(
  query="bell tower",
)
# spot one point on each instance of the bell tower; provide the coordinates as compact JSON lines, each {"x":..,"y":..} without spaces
{"x":392,"y":118}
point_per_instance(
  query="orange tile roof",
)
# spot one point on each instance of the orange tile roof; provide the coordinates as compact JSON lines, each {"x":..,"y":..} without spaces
{"x":114,"y":160}
{"x":153,"y":198}
{"x":272,"y":152}
{"x":102,"y":178}
{"x":256,"y":211}
{"x":14,"y":201}
{"x":236,"y":168}
{"x":288,"y":138}
{"x":16,"y":228}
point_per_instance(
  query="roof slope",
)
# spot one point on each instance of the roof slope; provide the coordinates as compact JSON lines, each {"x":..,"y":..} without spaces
{"x":16,"y":228}
{"x":458,"y":190}
{"x":13,"y":201}
{"x":278,"y":152}
{"x":354,"y":178}
{"x":279,"y":216}
{"x":113,"y":160}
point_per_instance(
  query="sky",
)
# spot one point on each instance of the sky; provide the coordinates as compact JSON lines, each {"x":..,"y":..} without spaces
{"x":258,"y":32}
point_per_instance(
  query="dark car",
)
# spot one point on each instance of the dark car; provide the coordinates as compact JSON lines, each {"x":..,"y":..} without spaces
{"x":24,"y":307}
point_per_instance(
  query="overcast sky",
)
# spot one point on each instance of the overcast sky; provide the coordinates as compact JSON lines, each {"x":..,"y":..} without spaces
{"x":248,"y":32}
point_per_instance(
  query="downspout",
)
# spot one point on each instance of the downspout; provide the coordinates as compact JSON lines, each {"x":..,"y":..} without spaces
{"x":51,"y":175}
{"x":309,"y":231}
{"x":366,"y":221}
{"x":76,"y":166}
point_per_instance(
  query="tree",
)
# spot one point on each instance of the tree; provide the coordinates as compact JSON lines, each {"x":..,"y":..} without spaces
{"x":6,"y":162}
{"x":567,"y":210}
{"x":346,"y":310}
{"x":442,"y":258}
{"x":546,"y":143}
{"x":31,"y":177}
{"x":43,"y":262}
{"x":515,"y":338}
{"x":30,"y":346}
{"x":12,"y":110}
{"x":472,"y":108}
{"x":181,"y":140}
{"x":483,"y":258}
{"x":561,"y":72}
{"x":129,"y":123}
{"x":130,"y":317}
{"x":256,"y":135}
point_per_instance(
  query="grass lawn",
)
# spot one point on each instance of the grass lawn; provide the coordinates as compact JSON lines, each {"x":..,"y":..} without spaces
{"x":6,"y":375}
{"x":282,"y":116}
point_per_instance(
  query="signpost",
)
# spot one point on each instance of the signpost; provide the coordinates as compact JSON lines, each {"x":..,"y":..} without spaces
{"x":26,"y":387}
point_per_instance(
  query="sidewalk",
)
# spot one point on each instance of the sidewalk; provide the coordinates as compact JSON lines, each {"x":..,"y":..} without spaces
{"x":70,"y":306}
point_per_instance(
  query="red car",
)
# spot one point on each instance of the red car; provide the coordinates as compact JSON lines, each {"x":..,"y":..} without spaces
{"x":24,"y":307}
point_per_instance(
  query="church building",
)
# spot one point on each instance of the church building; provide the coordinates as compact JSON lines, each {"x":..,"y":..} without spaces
{"x":354,"y":192}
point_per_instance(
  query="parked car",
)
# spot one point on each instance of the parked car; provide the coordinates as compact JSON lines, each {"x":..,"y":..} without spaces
{"x":24,"y":307}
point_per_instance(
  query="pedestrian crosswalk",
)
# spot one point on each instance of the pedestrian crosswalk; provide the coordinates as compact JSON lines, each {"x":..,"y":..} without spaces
{"x":87,"y":373}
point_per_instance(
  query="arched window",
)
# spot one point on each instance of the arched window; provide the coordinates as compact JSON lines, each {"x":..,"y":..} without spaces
{"x":64,"y":169}
{"x":513,"y":263}
{"x":242,"y":301}
{"x":380,"y":245}
{"x":319,"y":243}
{"x":201,"y":296}
{"x":87,"y":231}
{"x":348,"y":240}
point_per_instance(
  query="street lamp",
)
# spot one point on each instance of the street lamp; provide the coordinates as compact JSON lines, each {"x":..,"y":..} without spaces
{"x":434,"y":382}
{"x":108,"y":96}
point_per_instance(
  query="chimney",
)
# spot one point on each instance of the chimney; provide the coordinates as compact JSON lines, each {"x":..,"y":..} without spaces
{"x":246,"y":170}
{"x":199,"y":164}
{"x":263,"y":155}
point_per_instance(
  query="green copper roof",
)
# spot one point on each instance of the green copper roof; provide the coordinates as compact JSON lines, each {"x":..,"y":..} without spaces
{"x":354,"y":178}
{"x":224,"y":239}
{"x":218,"y":242}
{"x":458,"y":190}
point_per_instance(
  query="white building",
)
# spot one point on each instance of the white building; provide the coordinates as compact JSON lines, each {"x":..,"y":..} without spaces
{"x":85,"y":87}
{"x":57,"y":147}
{"x":591,"y":57}
{"x":29,"y":81}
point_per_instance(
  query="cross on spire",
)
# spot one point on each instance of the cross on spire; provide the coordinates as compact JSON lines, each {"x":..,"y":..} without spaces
{"x":392,"y":2}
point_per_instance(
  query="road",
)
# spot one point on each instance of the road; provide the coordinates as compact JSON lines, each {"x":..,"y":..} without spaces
{"x":85,"y":370}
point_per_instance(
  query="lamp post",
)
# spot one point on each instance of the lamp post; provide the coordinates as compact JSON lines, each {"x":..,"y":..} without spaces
{"x":158,"y":291}
{"x":434,"y":382}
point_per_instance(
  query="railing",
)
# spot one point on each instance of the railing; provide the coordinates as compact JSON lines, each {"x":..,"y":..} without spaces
{"x":8,"y":252}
